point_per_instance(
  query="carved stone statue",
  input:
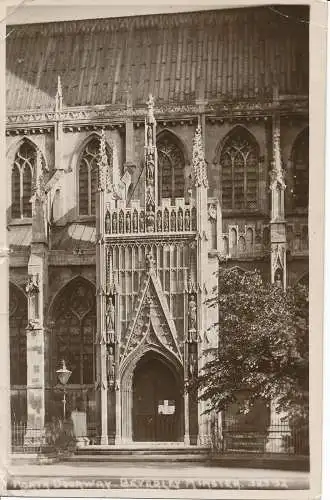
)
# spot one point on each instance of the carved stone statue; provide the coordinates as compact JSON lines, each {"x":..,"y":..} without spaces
{"x":107,"y":222}
{"x":173,"y":221}
{"x":142,"y":222}
{"x":149,"y":136}
{"x":32,"y":285}
{"x":180,"y":220}
{"x":192,"y":313}
{"x":135,"y":222}
{"x":110,"y":315}
{"x":150,"y":164}
{"x":166,"y":220}
{"x":159,"y":221}
{"x":192,"y":364}
{"x":121,"y":222}
{"x":150,"y":220}
{"x":150,"y":263}
{"x":128,"y":222}
{"x":187,"y":221}
{"x":278,"y":278}
{"x":32,"y":289}
{"x":114,"y":222}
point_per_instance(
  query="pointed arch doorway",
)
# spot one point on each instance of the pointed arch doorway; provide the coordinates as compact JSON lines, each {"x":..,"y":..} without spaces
{"x":157,"y":410}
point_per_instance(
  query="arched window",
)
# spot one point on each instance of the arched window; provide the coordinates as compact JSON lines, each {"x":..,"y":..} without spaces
{"x":300,"y":165}
{"x":17,"y":324}
{"x":21,"y":180}
{"x":75,"y":326}
{"x":88,"y":176}
{"x":239,"y":170}
{"x":170,"y":167}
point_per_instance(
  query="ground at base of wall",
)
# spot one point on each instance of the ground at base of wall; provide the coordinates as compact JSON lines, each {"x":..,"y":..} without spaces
{"x":278,"y":462}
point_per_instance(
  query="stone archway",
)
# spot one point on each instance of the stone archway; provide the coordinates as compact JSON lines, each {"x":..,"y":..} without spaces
{"x":151,"y":389}
{"x":157,"y":406}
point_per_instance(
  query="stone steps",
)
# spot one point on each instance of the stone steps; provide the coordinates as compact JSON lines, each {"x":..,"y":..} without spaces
{"x":141,"y":452}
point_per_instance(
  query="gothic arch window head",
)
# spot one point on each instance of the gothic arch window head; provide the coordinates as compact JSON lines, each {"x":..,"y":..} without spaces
{"x":22,"y":174}
{"x":74,"y":313}
{"x":88,"y":176}
{"x":171,"y":164}
{"x":300,"y":170}
{"x":239,"y":162}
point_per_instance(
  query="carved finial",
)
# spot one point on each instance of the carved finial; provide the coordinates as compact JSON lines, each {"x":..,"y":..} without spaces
{"x":59,"y":95}
{"x":103,"y":165}
{"x":198,"y":160}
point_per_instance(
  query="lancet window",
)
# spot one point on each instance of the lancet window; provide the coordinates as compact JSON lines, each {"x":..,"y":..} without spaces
{"x":88,"y":176}
{"x":75,"y":326}
{"x":21,"y":180}
{"x":170,"y":166}
{"x":300,"y":163}
{"x":239,"y":161}
{"x":18,"y":319}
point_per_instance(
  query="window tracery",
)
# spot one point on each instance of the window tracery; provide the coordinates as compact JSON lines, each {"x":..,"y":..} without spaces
{"x":74,"y":329}
{"x":300,"y":162}
{"x":170,"y":167}
{"x":88,"y":176}
{"x":239,"y":170}
{"x":21,"y":180}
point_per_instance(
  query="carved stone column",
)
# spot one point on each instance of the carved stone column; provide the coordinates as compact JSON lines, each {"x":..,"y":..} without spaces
{"x":36,"y":289}
{"x":277,"y":223}
{"x":113,"y":346}
{"x":58,"y":135}
{"x":151,"y":167}
{"x":201,"y":187}
{"x":101,"y":347}
{"x":35,"y":350}
{"x":278,"y":429}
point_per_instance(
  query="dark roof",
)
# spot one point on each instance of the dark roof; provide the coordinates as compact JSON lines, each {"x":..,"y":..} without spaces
{"x":76,"y":236}
{"x":234,"y":52}
{"x":19,"y":237}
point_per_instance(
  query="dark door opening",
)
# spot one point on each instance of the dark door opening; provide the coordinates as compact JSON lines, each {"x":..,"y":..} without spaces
{"x":157,"y":408}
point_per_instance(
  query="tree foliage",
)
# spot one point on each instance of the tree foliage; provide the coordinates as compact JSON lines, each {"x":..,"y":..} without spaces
{"x":263,"y":345}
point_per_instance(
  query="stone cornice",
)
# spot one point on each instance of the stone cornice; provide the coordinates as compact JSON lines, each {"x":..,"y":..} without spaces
{"x":42,"y":121}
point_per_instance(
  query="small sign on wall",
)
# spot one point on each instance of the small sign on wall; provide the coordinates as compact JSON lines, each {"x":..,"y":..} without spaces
{"x":166,"y":407}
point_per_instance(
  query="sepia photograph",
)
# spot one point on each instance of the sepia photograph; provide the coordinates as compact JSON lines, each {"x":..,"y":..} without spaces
{"x":158,"y":210}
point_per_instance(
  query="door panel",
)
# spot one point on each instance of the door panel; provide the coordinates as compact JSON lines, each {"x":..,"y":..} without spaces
{"x":156,"y":402}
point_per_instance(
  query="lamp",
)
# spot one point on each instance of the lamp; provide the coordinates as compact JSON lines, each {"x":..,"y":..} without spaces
{"x":63,"y":375}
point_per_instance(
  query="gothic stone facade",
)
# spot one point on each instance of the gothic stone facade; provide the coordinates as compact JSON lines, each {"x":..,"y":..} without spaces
{"x":141,"y":150}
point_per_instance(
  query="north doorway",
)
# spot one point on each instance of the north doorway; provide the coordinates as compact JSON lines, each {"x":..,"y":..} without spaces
{"x":157,"y":404}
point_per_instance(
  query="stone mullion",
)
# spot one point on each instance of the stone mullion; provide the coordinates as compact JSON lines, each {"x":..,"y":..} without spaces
{"x":21,"y":170}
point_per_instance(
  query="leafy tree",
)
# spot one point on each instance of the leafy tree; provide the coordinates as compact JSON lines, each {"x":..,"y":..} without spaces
{"x":263,"y":346}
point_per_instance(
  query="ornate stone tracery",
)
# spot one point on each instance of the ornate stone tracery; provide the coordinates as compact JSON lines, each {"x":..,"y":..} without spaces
{"x":171,"y":163}
{"x":88,"y":173}
{"x":74,"y":314}
{"x":239,"y":161}
{"x":27,"y":179}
